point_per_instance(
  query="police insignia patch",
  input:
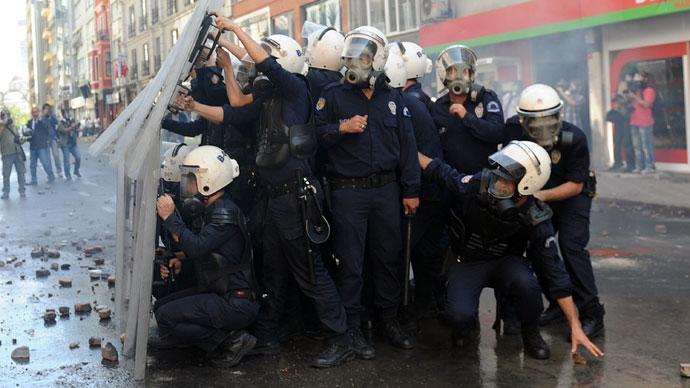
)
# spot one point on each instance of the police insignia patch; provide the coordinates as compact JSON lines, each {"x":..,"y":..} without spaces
{"x":548,"y":242}
{"x":493,"y":107}
{"x":321,"y":103}
{"x":555,"y":156}
{"x":479,"y":110}
{"x":406,"y":112}
{"x":392,"y":107}
{"x":466,"y":178}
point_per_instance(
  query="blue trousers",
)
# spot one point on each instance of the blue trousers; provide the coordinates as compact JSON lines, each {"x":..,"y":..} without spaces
{"x":510,"y":276}
{"x":368,"y":219}
{"x":643,"y":144}
{"x":42,"y":154}
{"x":74,"y":150}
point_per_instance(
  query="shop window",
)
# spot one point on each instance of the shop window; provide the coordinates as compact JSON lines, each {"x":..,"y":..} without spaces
{"x":664,"y":64}
{"x":255,"y":24}
{"x":389,"y":16}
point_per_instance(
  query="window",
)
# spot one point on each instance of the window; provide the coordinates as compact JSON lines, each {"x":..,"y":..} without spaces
{"x":132,"y":23}
{"x":326,"y":12}
{"x":389,"y":16}
{"x":255,"y":24}
{"x":172,"y":7}
{"x":174,"y":35}
{"x":144,"y":9}
{"x":284,"y":24}
{"x":134,"y":64}
{"x":146,"y":52}
{"x":108,"y":65}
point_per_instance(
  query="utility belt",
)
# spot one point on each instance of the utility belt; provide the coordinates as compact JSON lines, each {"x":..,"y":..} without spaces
{"x":290,"y":187}
{"x":367,"y":182}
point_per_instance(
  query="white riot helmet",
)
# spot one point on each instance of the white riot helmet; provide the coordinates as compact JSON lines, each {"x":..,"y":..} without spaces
{"x":206,"y":170}
{"x":287,"y":52}
{"x":172,"y":160}
{"x":524,"y":163}
{"x":456,"y":68}
{"x":395,"y":71}
{"x":365,"y":51}
{"x":324,"y":49}
{"x":540,"y":109}
{"x":417,"y":64}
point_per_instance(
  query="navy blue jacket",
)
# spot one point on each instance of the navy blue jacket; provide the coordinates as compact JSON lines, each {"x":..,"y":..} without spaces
{"x":570,"y":165}
{"x":427,"y":139}
{"x":226,"y":240}
{"x":319,"y":78}
{"x":467,"y":143}
{"x":387,"y":143}
{"x":41,"y":134}
{"x":207,"y":92}
{"x":542,"y":243}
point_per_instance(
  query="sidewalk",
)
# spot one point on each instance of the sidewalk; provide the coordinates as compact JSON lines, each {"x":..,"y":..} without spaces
{"x":661,"y":188}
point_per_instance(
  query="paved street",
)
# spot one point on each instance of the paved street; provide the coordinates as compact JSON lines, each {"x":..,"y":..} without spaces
{"x":640,"y":252}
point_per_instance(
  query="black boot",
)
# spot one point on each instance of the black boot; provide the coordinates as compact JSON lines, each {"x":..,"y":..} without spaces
{"x":262,"y":348}
{"x":333,"y":355}
{"x":231,"y":351}
{"x":360,"y":345}
{"x":534,"y":344}
{"x":395,"y":335}
{"x":592,"y":322}
{"x":463,"y":338}
{"x":553,"y":314}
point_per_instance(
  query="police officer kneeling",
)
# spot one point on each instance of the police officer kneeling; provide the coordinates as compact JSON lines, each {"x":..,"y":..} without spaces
{"x":215,"y":238}
{"x":494,"y":220}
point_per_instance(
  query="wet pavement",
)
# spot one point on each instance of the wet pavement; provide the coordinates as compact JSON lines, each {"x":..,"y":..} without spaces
{"x":640,"y":254}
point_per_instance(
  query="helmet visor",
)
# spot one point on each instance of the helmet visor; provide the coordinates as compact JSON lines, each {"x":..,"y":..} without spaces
{"x":501,"y":184}
{"x":459,"y":72}
{"x":188,"y":182}
{"x":508,"y":165}
{"x":458,"y":56}
{"x":542,"y":129}
{"x":360,"y":48}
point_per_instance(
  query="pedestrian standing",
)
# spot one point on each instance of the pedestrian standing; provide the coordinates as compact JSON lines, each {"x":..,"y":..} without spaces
{"x":642,"y":122}
{"x":52,"y":122}
{"x":38,"y":140}
{"x":67,"y":138}
{"x":12,"y":154}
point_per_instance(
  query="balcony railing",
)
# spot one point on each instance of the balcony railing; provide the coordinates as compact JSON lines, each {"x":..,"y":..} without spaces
{"x":172,"y":7}
{"x":103,"y":35}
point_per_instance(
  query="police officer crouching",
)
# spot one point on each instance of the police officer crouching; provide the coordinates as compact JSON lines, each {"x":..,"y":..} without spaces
{"x":213,"y":317}
{"x":568,"y":192}
{"x":494,"y":219}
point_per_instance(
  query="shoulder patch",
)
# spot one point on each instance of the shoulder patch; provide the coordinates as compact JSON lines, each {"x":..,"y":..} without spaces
{"x":549,"y":241}
{"x":392,"y":107}
{"x":406,"y":112}
{"x":321,"y":103}
{"x":466,"y":179}
{"x":493,"y":107}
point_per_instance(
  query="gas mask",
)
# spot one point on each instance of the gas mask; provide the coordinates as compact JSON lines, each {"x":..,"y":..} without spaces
{"x":193,"y":202}
{"x":359,"y":55}
{"x":498,"y":193}
{"x":262,"y":86}
{"x":459,"y":79}
{"x":543,"y":130}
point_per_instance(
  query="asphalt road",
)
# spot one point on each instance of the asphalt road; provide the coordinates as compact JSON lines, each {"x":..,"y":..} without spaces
{"x":640,"y":254}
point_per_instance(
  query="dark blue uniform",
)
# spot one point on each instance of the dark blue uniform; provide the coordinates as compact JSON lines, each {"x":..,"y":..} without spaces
{"x":571,"y":216}
{"x":284,"y":246}
{"x":499,"y":263}
{"x":368,"y":215}
{"x":319,"y":78}
{"x":205,"y":320}
{"x":427,"y":225}
{"x":467,"y":143}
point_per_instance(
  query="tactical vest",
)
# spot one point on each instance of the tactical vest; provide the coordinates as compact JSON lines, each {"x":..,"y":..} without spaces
{"x":228,"y":138}
{"x":212,"y":270}
{"x":482,"y":235}
{"x":277,"y":142}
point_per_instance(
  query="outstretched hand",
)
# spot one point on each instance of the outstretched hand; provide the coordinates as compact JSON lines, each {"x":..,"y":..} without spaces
{"x":578,"y":337}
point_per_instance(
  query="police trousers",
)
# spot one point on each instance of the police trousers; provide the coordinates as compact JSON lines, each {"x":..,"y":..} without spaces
{"x":204,"y":320}
{"x":510,"y":276}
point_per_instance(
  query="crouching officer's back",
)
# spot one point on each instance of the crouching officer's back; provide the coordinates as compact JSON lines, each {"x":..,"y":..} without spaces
{"x":212,"y":316}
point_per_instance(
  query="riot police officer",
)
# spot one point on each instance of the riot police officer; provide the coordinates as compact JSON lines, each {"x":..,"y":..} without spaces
{"x":493,"y":221}
{"x":568,"y":192}
{"x":372,"y":166}
{"x":285,"y":143}
{"x":469,"y":117}
{"x":427,"y":224}
{"x":417,"y":65}
{"x":212,"y":316}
